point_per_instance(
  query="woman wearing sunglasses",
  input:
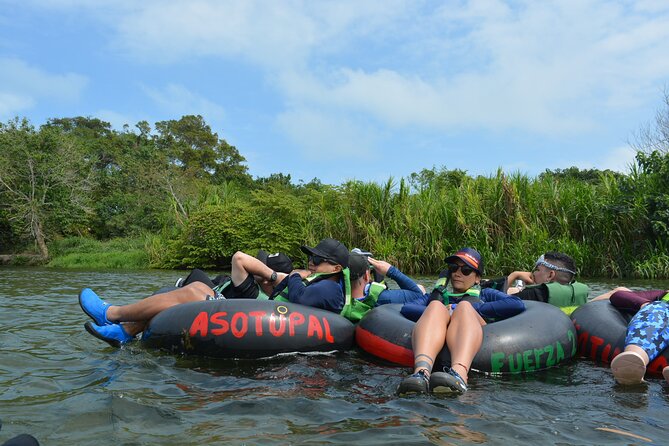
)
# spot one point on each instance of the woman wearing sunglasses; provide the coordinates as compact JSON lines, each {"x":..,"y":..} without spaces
{"x":454,"y":319}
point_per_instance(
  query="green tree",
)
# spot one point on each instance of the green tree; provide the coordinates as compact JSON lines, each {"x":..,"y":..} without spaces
{"x":44,"y":181}
{"x":190,"y":144}
{"x":439,"y":178}
{"x":592,"y":176}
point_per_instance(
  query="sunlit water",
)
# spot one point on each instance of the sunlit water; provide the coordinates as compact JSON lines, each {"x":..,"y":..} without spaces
{"x":65,"y":387}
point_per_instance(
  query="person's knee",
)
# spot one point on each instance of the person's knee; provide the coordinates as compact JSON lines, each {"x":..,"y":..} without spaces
{"x":199,"y":290}
{"x":436,"y":309}
{"x":238,"y":258}
{"x":464,"y":306}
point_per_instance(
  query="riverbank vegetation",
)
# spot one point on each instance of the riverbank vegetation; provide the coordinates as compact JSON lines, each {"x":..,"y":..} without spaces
{"x":176,"y":195}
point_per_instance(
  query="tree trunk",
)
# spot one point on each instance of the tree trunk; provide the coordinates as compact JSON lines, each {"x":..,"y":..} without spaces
{"x":39,"y":238}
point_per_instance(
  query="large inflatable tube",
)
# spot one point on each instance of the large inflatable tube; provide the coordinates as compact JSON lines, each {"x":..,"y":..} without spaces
{"x":247,"y":328}
{"x":601,"y":330}
{"x":540,"y":337}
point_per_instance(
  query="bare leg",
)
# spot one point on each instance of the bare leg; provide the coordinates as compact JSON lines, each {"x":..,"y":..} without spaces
{"x":134,"y":328}
{"x":146,"y":309}
{"x":464,"y":338}
{"x":638,"y":350}
{"x":429,"y":336}
{"x":608,"y":295}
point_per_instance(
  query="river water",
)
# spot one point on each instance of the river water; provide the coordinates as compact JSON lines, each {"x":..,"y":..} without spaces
{"x":63,"y":386}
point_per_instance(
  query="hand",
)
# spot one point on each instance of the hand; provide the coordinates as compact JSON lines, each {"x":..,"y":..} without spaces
{"x":379,"y":265}
{"x":525,"y":276}
{"x":304,"y":273}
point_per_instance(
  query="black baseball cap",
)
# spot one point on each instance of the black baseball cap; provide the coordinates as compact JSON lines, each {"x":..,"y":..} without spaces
{"x":329,"y":249}
{"x":357,"y":265}
{"x":278,"y":262}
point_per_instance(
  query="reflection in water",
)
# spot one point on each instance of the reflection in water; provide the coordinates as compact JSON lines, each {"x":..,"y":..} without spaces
{"x":66,"y":387}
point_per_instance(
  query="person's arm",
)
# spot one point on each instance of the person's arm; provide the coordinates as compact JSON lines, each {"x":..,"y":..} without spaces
{"x":413,"y":311}
{"x":525,"y":276}
{"x":402,"y":280}
{"x":326,"y":294}
{"x":408,"y":292}
{"x":610,"y":293}
{"x":537,"y":293}
{"x":496,"y":305}
{"x":401,"y":297}
{"x":634,"y":300}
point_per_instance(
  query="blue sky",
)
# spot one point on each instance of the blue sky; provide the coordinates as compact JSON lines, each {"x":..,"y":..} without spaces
{"x":358,"y":89}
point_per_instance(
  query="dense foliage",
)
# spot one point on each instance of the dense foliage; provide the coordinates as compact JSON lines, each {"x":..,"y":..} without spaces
{"x":182,"y":197}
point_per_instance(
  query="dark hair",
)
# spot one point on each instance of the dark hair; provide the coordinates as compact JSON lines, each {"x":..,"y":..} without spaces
{"x":564,"y":261}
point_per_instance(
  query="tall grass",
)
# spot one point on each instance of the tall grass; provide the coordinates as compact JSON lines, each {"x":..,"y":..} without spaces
{"x":510,"y":218}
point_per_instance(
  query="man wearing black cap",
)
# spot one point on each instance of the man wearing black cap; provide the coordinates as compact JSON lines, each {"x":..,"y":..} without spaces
{"x":323,"y":284}
{"x":249,"y":274}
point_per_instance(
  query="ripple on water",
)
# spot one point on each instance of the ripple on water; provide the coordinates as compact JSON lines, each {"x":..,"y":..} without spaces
{"x":65,"y":387}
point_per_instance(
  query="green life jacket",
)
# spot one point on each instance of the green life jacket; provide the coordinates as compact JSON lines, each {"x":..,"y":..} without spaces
{"x":375,"y":290}
{"x":471,"y":295}
{"x":355,"y":309}
{"x":665,"y":297}
{"x":567,"y":297}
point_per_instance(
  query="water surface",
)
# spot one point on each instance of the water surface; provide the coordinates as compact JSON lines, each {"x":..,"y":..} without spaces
{"x":65,"y":387}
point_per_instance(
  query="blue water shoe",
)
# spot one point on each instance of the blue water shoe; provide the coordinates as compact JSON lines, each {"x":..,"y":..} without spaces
{"x":416,"y":383}
{"x":113,"y":334}
{"x":445,"y":382}
{"x":94,"y":307}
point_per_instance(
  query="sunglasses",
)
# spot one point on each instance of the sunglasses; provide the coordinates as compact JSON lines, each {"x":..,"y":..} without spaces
{"x":317,"y":260}
{"x":466,"y":270}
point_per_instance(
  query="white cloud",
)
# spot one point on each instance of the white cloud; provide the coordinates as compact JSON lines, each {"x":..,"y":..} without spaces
{"x":13,"y":104}
{"x":269,"y":34}
{"x":326,"y":137}
{"x":23,"y":86}
{"x":117,"y":120}
{"x":552,"y":68}
{"x":618,"y":159}
{"x":177,"y":100}
{"x":546,"y":68}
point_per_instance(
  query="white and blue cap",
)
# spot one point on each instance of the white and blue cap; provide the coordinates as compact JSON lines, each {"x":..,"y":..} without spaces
{"x":542,"y":261}
{"x":361,"y":252}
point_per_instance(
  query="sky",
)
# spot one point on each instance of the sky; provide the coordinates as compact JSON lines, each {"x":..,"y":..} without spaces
{"x":353,"y":89}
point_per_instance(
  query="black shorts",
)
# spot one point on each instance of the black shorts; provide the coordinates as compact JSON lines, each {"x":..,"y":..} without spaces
{"x":248,"y":289}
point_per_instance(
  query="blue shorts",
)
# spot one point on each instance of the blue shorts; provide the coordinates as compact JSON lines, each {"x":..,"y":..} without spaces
{"x":649,"y":329}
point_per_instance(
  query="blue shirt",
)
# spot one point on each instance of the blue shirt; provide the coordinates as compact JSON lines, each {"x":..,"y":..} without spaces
{"x":326,"y":294}
{"x":494,"y":305}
